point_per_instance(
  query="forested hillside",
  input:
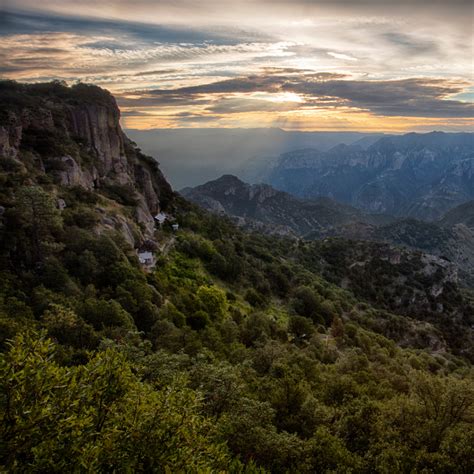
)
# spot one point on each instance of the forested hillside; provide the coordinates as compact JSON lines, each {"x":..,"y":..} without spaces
{"x":230,"y":351}
{"x":263,"y":208}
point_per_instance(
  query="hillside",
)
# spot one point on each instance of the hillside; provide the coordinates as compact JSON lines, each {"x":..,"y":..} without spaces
{"x":230,"y":352}
{"x":263,"y":207}
{"x":462,"y":215}
{"x":415,"y":175}
{"x":451,"y":243}
{"x":70,"y":138}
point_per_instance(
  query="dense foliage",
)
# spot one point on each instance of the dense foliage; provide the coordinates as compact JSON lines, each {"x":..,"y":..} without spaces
{"x":283,"y":366}
{"x":237,"y":352}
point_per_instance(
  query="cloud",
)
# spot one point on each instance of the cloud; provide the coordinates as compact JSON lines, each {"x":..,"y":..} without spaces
{"x":418,"y":97}
{"x":251,"y":60}
{"x":158,"y":72}
{"x":244,"y":105}
{"x":410,"y":43}
{"x":122,"y":31}
{"x":345,"y":57}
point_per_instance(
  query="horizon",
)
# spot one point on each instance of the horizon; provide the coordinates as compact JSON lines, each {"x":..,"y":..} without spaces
{"x":363,"y":66}
{"x":408,"y":132}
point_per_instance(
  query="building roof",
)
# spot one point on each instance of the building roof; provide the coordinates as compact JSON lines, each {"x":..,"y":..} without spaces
{"x":161,"y":217}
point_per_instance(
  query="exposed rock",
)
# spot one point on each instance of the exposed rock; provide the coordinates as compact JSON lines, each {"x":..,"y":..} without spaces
{"x":10,"y":137}
{"x":74,"y":175}
{"x":85,"y":121}
{"x":415,"y":175}
{"x":116,"y":222}
{"x":144,"y":217}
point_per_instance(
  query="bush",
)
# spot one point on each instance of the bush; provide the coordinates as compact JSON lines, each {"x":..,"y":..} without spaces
{"x":198,"y":320}
{"x":105,"y":313}
{"x":123,"y":194}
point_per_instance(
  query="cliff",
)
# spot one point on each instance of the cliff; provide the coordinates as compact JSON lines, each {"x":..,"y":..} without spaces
{"x":73,"y":136}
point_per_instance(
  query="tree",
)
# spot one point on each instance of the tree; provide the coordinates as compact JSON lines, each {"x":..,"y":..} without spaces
{"x":39,"y":219}
{"x":306,"y":303}
{"x":337,"y":328}
{"x":300,"y":326}
{"x":100,"y":417}
{"x":67,"y":328}
{"x":213,"y":300}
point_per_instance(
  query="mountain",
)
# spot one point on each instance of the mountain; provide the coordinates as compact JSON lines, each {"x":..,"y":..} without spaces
{"x":73,"y":137}
{"x":191,"y":156}
{"x":452,"y":243}
{"x":413,"y":175}
{"x":460,"y":215}
{"x":261,"y":206}
{"x":132,"y":346}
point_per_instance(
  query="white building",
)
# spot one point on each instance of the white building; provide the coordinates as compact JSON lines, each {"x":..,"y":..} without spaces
{"x":161,"y":217}
{"x":146,"y":258}
{"x":175,"y":227}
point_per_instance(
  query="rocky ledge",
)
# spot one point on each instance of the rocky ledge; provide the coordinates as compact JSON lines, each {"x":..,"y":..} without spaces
{"x":73,"y":134}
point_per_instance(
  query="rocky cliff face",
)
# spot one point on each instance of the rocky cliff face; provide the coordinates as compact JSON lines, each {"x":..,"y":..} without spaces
{"x":74,"y":136}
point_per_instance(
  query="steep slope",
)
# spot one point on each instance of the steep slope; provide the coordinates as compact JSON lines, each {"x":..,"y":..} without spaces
{"x":416,"y":175}
{"x":73,"y":136}
{"x":260,"y":205}
{"x":460,"y":215}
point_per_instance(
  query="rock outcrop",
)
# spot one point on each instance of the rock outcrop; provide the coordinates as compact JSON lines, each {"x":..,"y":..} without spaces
{"x":74,"y":135}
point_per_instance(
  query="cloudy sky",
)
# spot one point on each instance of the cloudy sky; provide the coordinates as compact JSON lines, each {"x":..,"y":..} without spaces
{"x":375,"y":65}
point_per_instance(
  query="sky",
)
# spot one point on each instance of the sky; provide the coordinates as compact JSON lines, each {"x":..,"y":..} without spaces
{"x":329,"y":65}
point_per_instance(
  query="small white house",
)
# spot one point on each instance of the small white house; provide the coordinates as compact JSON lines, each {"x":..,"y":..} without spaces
{"x":61,"y":204}
{"x":175,"y":227}
{"x":161,"y":217}
{"x":146,"y":258}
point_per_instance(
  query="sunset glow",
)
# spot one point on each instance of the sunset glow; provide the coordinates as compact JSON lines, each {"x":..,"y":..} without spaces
{"x":299,"y":65}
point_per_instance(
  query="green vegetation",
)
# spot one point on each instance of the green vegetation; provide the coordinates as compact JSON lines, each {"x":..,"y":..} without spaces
{"x":237,"y":353}
{"x":266,"y":365}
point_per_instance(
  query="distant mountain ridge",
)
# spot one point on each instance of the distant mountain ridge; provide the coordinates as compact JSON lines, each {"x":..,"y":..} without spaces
{"x":192,"y":156}
{"x":460,"y":215}
{"x":261,"y":205}
{"x":413,"y":175}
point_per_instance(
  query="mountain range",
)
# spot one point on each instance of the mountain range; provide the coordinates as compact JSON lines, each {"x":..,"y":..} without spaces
{"x":191,"y":156}
{"x":413,"y":175}
{"x":264,"y":208}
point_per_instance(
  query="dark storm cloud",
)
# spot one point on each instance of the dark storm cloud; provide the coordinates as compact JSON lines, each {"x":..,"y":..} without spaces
{"x":416,"y":97}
